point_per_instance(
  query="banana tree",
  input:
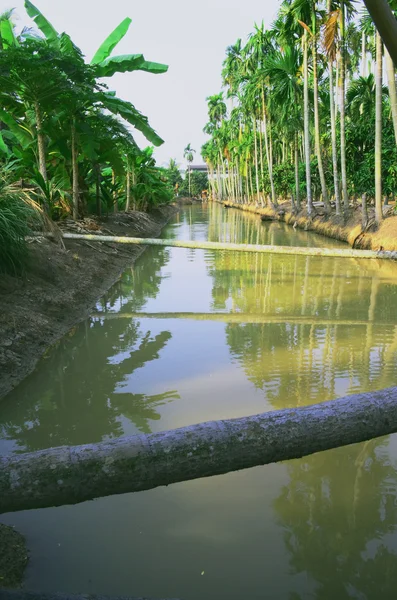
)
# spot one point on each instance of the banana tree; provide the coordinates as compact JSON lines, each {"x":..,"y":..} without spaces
{"x":105,"y":65}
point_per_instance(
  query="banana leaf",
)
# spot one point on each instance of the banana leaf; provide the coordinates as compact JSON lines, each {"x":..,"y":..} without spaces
{"x":127,"y":63}
{"x":127,"y":111}
{"x":23,"y":136}
{"x":3,"y":146}
{"x":111,"y":42}
{"x":45,"y":26}
{"x":7,"y":34}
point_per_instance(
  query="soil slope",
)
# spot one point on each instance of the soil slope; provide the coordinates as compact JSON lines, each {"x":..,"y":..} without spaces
{"x":60,"y":287}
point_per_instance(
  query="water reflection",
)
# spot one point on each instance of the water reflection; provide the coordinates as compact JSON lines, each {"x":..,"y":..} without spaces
{"x":339,"y":515}
{"x":84,"y":390}
{"x":268,"y":332}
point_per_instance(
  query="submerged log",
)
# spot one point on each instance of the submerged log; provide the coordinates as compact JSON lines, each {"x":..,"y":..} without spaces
{"x":69,"y":475}
{"x":266,"y":249}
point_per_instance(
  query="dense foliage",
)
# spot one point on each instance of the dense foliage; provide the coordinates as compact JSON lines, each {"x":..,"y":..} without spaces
{"x":309,"y":116}
{"x":63,"y":134}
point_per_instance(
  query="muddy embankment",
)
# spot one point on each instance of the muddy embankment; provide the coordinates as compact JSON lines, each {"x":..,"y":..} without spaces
{"x":348,"y":229}
{"x":60,"y":287}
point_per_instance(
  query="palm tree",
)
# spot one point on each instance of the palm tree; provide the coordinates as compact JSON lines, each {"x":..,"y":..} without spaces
{"x":188,"y":153}
{"x":330,"y":46}
{"x":378,"y":129}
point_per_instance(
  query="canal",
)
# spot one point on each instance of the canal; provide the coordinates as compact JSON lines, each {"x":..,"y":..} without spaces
{"x":267,"y":332}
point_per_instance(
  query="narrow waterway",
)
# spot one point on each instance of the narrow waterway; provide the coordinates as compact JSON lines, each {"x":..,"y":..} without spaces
{"x":268,"y":332}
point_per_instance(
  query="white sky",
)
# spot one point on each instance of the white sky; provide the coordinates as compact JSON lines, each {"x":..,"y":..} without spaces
{"x":190,"y":37}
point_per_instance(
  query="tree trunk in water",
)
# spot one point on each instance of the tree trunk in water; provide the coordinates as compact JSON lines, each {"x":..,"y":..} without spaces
{"x":98,"y":190}
{"x":391,"y":80}
{"x":378,"y":130}
{"x":324,"y":190}
{"x":297,"y":184}
{"x":307,"y":129}
{"x":75,"y":174}
{"x":40,"y":142}
{"x":69,"y":475}
{"x":333,"y":138}
{"x":342,"y":108}
{"x":255,"y":248}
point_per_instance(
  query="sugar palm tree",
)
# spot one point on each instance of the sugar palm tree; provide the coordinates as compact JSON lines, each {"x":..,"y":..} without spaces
{"x":188,"y":153}
{"x":378,"y":129}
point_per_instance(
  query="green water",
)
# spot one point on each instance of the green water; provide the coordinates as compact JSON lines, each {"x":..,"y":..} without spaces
{"x":323,"y":527}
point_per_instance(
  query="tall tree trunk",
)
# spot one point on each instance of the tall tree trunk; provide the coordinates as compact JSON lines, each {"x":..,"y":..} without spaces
{"x":306,"y":127}
{"x":114,"y":194}
{"x":297,"y":184}
{"x":364,"y":212}
{"x":75,"y":174}
{"x":190,"y":189}
{"x":391,"y":80}
{"x":269,"y":153}
{"x":333,"y":138}
{"x":342,"y":106}
{"x":98,"y":189}
{"x":324,"y":190}
{"x":261,"y":160}
{"x":128,"y":187}
{"x":40,"y":142}
{"x":256,"y":160}
{"x":363,"y":54}
{"x":337,"y":77}
{"x":378,"y":130}
{"x":386,"y":24}
{"x":220,"y":189}
{"x":133,"y":181}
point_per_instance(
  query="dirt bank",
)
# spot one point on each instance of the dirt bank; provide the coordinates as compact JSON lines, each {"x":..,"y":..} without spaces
{"x":60,"y":287}
{"x":346,"y":230}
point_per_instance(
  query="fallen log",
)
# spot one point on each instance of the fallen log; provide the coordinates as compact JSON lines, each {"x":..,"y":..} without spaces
{"x":69,"y":475}
{"x":266,"y":249}
{"x":243,"y":318}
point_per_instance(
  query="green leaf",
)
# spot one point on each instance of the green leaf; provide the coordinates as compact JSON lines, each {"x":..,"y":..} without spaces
{"x":127,"y":63}
{"x":127,"y":111}
{"x":111,"y":41}
{"x":3,"y":145}
{"x":153,"y":67}
{"x":45,"y":26}
{"x":21,"y":134}
{"x":119,"y":64}
{"x":7,"y":34}
{"x":66,"y":46}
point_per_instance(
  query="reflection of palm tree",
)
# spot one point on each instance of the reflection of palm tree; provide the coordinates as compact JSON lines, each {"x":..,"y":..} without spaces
{"x":328,"y":526}
{"x":73,"y":398}
{"x":140,"y":408}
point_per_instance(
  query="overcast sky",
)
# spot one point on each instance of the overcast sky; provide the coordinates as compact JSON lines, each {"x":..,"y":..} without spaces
{"x":191,"y":37}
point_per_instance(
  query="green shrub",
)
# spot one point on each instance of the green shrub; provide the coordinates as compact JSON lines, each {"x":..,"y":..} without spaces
{"x":17,"y":213}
